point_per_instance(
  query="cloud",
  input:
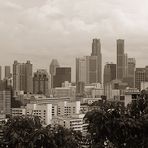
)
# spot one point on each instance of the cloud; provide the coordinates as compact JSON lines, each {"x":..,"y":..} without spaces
{"x":46,"y":29}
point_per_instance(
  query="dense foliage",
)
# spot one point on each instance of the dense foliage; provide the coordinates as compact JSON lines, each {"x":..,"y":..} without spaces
{"x":118,"y":127}
{"x":27,"y":132}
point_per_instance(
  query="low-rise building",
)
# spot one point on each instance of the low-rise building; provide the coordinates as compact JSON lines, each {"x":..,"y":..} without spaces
{"x":74,"y":122}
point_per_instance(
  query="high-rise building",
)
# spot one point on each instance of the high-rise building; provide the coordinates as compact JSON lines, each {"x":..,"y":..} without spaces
{"x":22,"y":77}
{"x":86,"y":69}
{"x":53,"y":65}
{"x":120,"y":59}
{"x":125,"y":67}
{"x":7,"y":71}
{"x":140,"y":76}
{"x":62,"y":74}
{"x":41,"y":82}
{"x":96,"y":51}
{"x":81,"y":70}
{"x":5,"y":102}
{"x":109,"y":72}
{"x":131,"y":71}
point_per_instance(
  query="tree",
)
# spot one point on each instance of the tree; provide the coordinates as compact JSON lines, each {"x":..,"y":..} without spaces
{"x":27,"y":132}
{"x":118,"y":126}
{"x":18,"y":130}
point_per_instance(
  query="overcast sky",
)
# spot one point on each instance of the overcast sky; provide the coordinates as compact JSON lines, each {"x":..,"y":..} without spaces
{"x":39,"y":30}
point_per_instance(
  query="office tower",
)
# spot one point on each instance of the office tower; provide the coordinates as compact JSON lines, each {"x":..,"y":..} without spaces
{"x":7,"y":72}
{"x":41,"y":82}
{"x":53,"y":65}
{"x":5,"y":102}
{"x":131,"y":71}
{"x":109,"y":72}
{"x":22,"y":77}
{"x":0,"y":73}
{"x":120,"y":59}
{"x":81,"y":70}
{"x":96,"y":51}
{"x":86,"y":69}
{"x":28,"y":77}
{"x":140,"y":76}
{"x":125,"y":67}
{"x":62,"y":74}
{"x":93,"y":69}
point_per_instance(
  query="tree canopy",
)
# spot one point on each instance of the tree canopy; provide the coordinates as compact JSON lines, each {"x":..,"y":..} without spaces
{"x":27,"y":132}
{"x":118,"y":126}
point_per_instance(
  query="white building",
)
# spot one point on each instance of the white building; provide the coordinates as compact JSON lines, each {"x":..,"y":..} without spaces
{"x":68,"y":108}
{"x":74,"y":122}
{"x":144,"y":85}
{"x":43,"y":111}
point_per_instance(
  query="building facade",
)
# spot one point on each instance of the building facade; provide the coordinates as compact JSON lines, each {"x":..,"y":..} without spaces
{"x":140,"y":76}
{"x":109,"y":72}
{"x":120,"y":59}
{"x":5,"y":102}
{"x":53,"y":65}
{"x":41,"y":82}
{"x":87,"y":69}
{"x":62,"y":74}
{"x":7,"y":71}
{"x":22,"y":77}
{"x":96,"y":51}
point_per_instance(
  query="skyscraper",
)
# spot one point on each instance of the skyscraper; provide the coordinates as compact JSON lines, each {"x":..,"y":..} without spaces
{"x":41,"y":82}
{"x":53,"y":65}
{"x":62,"y":74}
{"x":96,"y":51}
{"x":87,"y":69}
{"x":140,"y":76}
{"x":22,"y":77}
{"x":109,"y":72}
{"x":7,"y":71}
{"x":93,"y":76}
{"x":120,"y":59}
{"x":125,"y":66}
{"x":131,"y":71}
{"x":81,"y":70}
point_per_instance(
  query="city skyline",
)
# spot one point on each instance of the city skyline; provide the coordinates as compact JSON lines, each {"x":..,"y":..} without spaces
{"x":42,"y":30}
{"x":73,"y":68}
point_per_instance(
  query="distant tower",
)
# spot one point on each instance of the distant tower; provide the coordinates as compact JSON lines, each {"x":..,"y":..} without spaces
{"x":22,"y":77}
{"x":96,"y":51}
{"x":140,"y":76}
{"x":7,"y":71}
{"x":41,"y":82}
{"x":125,"y":67}
{"x":109,"y":72}
{"x":120,"y":59}
{"x":62,"y":74}
{"x":53,"y":65}
{"x":131,"y":71}
{"x":87,"y":69}
{"x":81,"y":70}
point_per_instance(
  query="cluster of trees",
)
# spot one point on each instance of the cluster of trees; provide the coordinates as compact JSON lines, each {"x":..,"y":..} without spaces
{"x":113,"y":126}
{"x":27,"y":132}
